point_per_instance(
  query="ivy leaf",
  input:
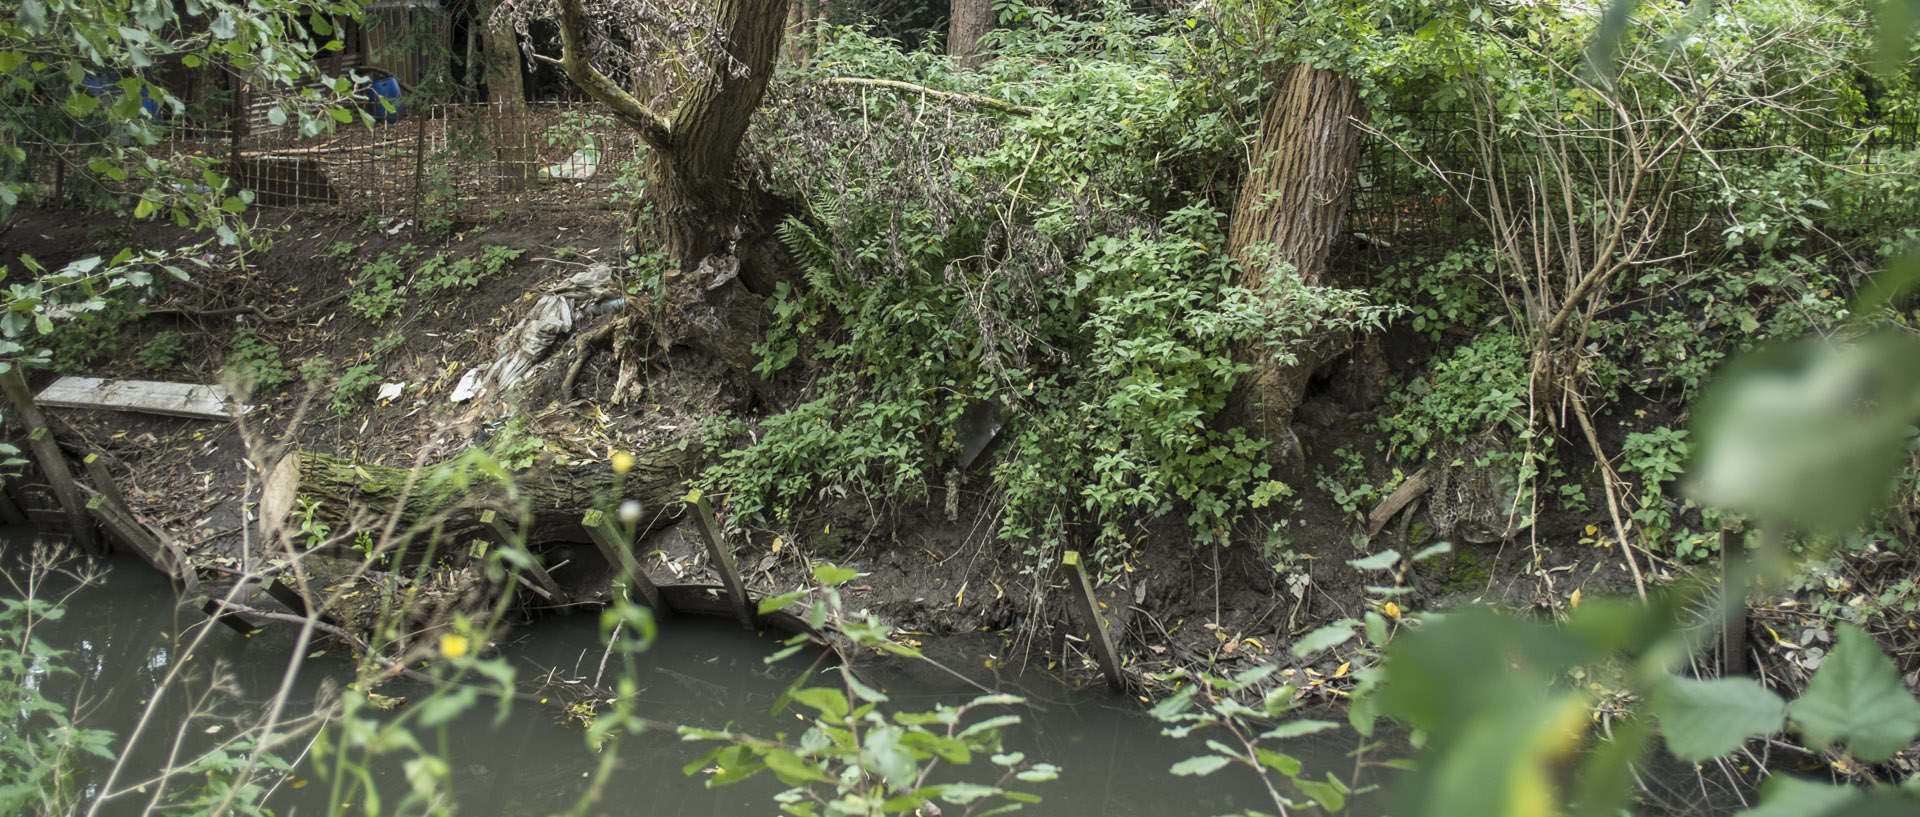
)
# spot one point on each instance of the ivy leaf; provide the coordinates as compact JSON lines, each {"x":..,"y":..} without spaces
{"x":1199,"y":766}
{"x":1857,"y":697}
{"x":1707,"y":719}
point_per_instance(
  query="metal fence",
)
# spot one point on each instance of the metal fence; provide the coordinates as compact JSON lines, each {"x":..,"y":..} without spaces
{"x":1398,"y":202}
{"x":456,"y":158}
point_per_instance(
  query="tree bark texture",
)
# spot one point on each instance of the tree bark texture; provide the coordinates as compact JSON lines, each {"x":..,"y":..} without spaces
{"x":351,"y":495}
{"x":706,"y":209}
{"x":508,"y":95}
{"x":1294,"y":199}
{"x":967,"y":22}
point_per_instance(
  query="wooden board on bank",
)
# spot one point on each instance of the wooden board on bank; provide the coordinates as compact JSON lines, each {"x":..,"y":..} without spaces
{"x":195,"y":400}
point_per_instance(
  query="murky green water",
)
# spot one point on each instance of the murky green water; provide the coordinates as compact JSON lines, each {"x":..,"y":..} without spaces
{"x":124,"y":637}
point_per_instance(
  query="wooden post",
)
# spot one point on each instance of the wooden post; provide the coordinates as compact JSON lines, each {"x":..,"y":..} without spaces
{"x":614,"y":547}
{"x":743,"y":607}
{"x":120,"y":523}
{"x":10,"y":512}
{"x":1082,"y":592}
{"x":542,"y":581}
{"x":213,"y":608}
{"x":54,"y":463}
{"x":1733,"y":583}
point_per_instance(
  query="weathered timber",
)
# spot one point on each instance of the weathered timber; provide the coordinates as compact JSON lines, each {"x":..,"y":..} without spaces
{"x":743,"y":606}
{"x":52,"y":462}
{"x":127,"y":530}
{"x":536,"y":576}
{"x":9,"y":510}
{"x":1410,"y":489}
{"x":363,"y":495}
{"x":1733,"y":582}
{"x":616,"y":547}
{"x":198,"y":401}
{"x":1089,"y":609}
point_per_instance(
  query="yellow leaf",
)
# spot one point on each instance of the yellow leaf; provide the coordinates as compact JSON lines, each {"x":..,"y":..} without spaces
{"x":778,"y":543}
{"x":454,"y":645}
{"x":622,"y":462}
{"x":1342,"y":671}
{"x":1593,"y":529}
{"x":1391,"y":610}
{"x":1574,"y":599}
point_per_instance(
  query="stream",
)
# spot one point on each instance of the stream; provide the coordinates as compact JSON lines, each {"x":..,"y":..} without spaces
{"x":122,"y":636}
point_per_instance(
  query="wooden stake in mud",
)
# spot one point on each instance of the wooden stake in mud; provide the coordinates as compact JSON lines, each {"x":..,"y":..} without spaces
{"x":543,"y":582}
{"x":52,"y":462}
{"x":1103,"y":650}
{"x":743,"y":607}
{"x":614,"y":547}
{"x":1733,"y":583}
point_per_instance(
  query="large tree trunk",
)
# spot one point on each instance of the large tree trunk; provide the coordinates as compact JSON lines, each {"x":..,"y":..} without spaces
{"x":1294,"y":201}
{"x":706,"y":209}
{"x":349,"y":496}
{"x":508,"y":96}
{"x":967,"y":22}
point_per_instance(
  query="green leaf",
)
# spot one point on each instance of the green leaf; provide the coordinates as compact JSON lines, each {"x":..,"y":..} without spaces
{"x":1283,"y":763}
{"x":833,"y":575}
{"x":1378,"y":561}
{"x":1857,"y":697}
{"x":1707,"y":719}
{"x":777,"y":602}
{"x":81,"y":104}
{"x":144,"y":208}
{"x":1331,"y":795}
{"x":1328,"y":637}
{"x":1788,"y":796}
{"x":1199,"y":766}
{"x":828,"y":702}
{"x":1296,"y":728}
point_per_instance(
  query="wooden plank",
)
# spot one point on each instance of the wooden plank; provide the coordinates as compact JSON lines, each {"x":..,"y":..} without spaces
{"x":195,"y":400}
{"x":1410,"y":489}
{"x":1082,"y":592}
{"x":743,"y":607}
{"x":129,"y":532}
{"x":630,"y":574}
{"x":52,"y":461}
{"x":541,"y":582}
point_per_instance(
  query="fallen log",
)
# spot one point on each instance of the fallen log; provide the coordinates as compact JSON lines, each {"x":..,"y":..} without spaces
{"x":346,"y":495}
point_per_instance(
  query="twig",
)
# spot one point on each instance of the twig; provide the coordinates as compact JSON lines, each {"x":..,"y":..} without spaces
{"x":1608,"y":479}
{"x":980,"y":100}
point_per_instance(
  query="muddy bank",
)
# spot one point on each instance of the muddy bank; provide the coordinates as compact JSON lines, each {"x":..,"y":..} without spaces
{"x":313,"y":315}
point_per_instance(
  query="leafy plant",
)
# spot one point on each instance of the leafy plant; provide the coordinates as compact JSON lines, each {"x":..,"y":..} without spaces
{"x":379,"y":289}
{"x":853,"y":758}
{"x":255,"y":362}
{"x":163,"y":351}
{"x":355,"y":384}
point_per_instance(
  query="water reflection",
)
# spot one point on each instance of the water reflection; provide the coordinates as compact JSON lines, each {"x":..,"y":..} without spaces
{"x":703,"y":672}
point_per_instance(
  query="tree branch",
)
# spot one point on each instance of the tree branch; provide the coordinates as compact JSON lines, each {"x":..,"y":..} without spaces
{"x":980,"y":100}
{"x":656,"y":130}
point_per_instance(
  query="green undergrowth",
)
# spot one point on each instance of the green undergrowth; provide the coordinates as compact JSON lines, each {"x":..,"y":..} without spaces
{"x":1046,"y":272}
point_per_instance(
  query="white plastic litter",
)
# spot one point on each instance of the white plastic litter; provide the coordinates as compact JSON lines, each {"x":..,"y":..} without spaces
{"x":579,"y":167}
{"x":391,"y":391}
{"x":467,"y":388}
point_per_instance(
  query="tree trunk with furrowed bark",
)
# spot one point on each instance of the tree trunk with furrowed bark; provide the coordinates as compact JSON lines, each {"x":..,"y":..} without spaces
{"x":708,"y":214}
{"x":1290,"y":209}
